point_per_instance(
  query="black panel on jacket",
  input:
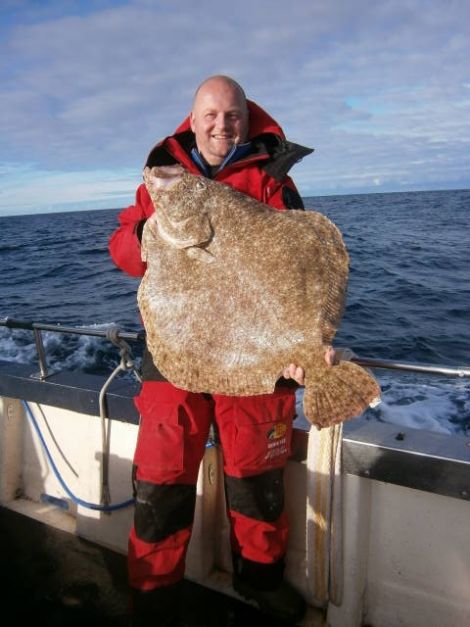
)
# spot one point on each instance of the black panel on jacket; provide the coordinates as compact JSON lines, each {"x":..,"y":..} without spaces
{"x":283,"y":155}
{"x":139,"y":227}
{"x":160,"y":156}
{"x":291,"y":198}
{"x":148,"y":369}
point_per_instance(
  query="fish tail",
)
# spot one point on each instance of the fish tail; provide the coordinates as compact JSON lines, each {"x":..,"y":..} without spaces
{"x":337,"y":393}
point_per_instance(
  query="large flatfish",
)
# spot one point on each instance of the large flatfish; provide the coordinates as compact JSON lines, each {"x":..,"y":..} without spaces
{"x":235,"y":291}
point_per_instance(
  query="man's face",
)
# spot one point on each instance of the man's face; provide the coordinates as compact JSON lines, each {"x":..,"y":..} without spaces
{"x":219,"y":120}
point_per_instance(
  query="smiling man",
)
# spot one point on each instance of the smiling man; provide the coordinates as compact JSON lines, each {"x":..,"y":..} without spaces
{"x":232,"y":140}
{"x":219,"y":120}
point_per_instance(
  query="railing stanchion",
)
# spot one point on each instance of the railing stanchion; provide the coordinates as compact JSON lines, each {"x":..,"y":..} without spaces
{"x":41,"y":354}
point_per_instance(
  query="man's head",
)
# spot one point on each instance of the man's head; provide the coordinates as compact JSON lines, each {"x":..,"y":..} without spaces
{"x":219,"y":117}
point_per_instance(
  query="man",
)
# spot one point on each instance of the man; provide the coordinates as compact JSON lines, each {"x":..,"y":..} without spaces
{"x":234,"y":141}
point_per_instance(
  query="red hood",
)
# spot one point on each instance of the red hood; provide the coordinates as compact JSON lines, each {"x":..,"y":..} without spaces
{"x":260,"y":122}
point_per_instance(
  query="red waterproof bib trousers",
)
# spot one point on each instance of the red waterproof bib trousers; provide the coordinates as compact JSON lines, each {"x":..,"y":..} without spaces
{"x":255,"y":434}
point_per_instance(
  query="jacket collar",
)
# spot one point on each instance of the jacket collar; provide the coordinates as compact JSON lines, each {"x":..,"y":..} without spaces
{"x":238,"y":151}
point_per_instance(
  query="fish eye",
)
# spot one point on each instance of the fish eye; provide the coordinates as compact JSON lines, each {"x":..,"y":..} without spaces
{"x":200,"y":186}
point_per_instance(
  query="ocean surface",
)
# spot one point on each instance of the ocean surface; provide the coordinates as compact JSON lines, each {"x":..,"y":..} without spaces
{"x":408,"y":295}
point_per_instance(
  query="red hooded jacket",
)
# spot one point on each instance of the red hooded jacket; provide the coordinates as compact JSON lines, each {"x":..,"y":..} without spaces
{"x":261,"y":174}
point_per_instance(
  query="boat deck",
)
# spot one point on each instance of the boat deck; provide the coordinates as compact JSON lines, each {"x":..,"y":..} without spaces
{"x":52,"y":578}
{"x":405,"y":498}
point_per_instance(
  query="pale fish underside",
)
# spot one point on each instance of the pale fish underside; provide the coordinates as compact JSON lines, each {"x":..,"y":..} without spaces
{"x":235,"y":291}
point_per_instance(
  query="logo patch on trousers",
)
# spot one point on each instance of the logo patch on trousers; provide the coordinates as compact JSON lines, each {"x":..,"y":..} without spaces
{"x":278,"y":431}
{"x":277,"y":442}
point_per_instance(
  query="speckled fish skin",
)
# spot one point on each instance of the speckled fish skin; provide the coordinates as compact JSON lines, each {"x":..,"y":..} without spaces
{"x":235,"y":291}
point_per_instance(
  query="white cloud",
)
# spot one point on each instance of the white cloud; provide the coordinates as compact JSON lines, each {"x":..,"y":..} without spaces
{"x":26,"y":189}
{"x":379,"y":89}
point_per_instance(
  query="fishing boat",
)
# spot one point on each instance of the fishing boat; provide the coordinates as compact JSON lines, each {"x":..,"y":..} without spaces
{"x":379,"y":522}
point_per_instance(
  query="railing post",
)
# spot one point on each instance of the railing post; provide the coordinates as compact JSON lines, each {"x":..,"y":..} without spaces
{"x":41,"y":354}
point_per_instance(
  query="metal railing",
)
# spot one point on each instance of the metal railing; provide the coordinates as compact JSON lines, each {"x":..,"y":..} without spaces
{"x":457,"y":371}
{"x":115,"y":335}
{"x":112,"y":333}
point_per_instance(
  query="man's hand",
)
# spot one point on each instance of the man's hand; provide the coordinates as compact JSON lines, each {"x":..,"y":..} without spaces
{"x":298,"y":374}
{"x":294,"y":372}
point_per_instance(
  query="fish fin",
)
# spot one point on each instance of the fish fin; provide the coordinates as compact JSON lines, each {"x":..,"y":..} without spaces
{"x":334,"y":394}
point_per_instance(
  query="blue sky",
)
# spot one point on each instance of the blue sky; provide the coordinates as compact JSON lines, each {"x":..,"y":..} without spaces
{"x":380,"y":89}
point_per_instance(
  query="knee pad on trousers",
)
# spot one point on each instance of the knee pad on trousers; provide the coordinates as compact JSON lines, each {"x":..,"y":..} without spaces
{"x":161,"y":510}
{"x":259,"y":496}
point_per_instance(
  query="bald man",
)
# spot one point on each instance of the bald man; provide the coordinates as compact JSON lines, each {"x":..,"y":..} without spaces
{"x":232,"y":140}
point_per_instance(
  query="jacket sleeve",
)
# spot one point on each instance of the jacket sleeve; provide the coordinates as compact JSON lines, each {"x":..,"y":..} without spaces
{"x":286,"y":196}
{"x":124,"y":243}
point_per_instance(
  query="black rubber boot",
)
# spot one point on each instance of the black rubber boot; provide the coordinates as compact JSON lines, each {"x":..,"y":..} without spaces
{"x":263,"y":584}
{"x":156,"y":608}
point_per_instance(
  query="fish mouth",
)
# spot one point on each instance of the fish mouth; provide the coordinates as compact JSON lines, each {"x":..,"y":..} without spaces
{"x":167,"y":171}
{"x":162,"y":178}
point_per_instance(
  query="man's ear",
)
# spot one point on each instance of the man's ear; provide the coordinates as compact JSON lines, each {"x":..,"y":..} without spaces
{"x":191,"y":121}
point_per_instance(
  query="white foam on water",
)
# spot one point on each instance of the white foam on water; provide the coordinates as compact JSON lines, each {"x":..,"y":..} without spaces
{"x":17,"y":346}
{"x":419,"y":402}
{"x":63,"y":351}
{"x":434,"y":404}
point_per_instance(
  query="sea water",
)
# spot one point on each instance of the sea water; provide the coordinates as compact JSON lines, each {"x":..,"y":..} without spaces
{"x":408,"y":294}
